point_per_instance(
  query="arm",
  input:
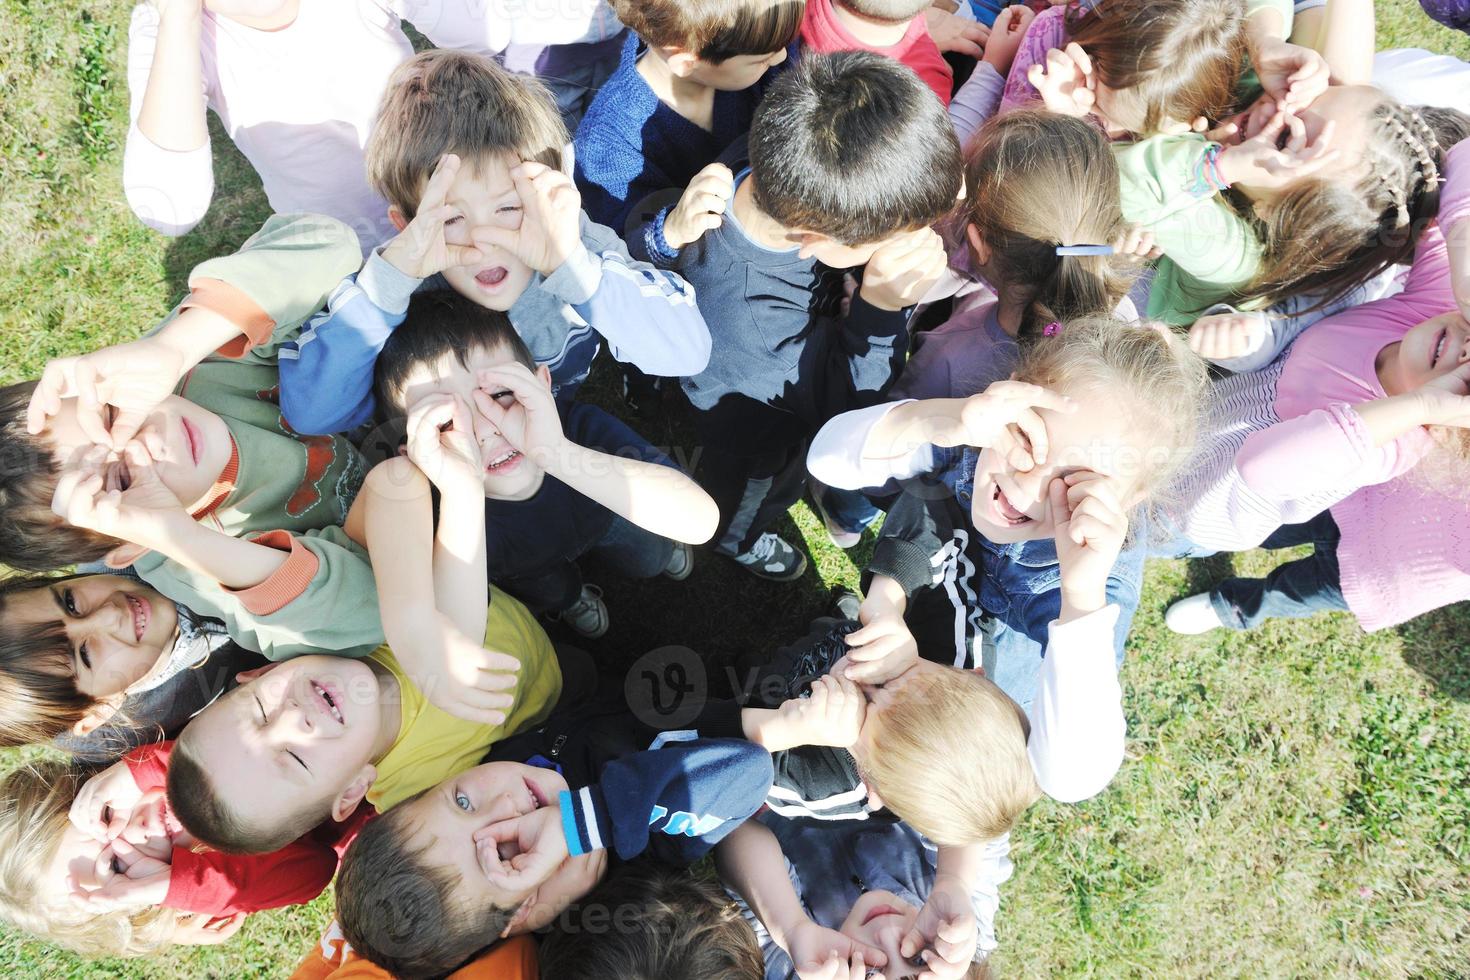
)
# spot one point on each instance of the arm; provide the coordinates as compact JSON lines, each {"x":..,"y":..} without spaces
{"x":840,"y":456}
{"x":751,"y":862}
{"x":1347,"y":39}
{"x":168,"y":172}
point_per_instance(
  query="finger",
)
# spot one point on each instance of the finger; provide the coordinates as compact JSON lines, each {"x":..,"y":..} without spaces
{"x":46,"y":399}
{"x":437,"y":189}
{"x":1080,"y":58}
{"x":479,"y":716}
{"x":1056,"y":494}
{"x":90,"y":406}
{"x":961,"y":44}
{"x":1034,"y":429}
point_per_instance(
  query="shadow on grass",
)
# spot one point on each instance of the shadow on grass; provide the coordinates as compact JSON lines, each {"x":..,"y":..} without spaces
{"x":1437,"y":645}
{"x":1203,"y":574}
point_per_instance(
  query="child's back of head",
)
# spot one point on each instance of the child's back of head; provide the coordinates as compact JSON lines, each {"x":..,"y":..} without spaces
{"x":649,"y":922}
{"x":1035,"y":181}
{"x":714,"y":31}
{"x":853,"y":146}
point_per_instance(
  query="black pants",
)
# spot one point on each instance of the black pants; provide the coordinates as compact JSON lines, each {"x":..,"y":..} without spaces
{"x":1296,"y":589}
{"x":752,"y":492}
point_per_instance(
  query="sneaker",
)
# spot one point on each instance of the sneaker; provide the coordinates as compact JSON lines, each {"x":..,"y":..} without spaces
{"x":845,"y":604}
{"x":681,"y":563}
{"x":641,"y":393}
{"x":588,"y":615}
{"x":1193,"y":616}
{"x":771,"y":557}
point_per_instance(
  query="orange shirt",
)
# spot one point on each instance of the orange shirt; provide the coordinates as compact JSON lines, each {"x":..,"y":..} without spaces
{"x":333,"y":959}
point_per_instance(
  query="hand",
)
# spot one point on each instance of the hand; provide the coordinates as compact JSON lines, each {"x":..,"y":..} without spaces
{"x":1065,"y":81}
{"x":120,"y":498}
{"x":551,"y":219}
{"x":903,"y":269}
{"x":1006,"y":35}
{"x":702,"y":206}
{"x":105,"y":803}
{"x":944,"y":935}
{"x":832,"y":713}
{"x":206,"y":930}
{"x":133,"y":379}
{"x":1262,"y":163}
{"x":142,"y":884}
{"x":1222,"y":336}
{"x":1004,"y":417}
{"x":533,"y":846}
{"x":521,"y":406}
{"x":1091,"y":526}
{"x":441,"y":442}
{"x":423,"y":249}
{"x":462,"y":678}
{"x":952,"y":32}
{"x":1446,"y":399}
{"x":818,"y":953}
{"x":883,"y":648}
{"x":1291,"y":74}
{"x":1137,"y":245}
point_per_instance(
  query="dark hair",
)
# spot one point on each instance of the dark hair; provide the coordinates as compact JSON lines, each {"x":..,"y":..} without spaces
{"x":195,"y":801}
{"x":714,"y":30}
{"x":39,"y":699}
{"x":650,"y":922}
{"x":1173,"y":59}
{"x":1323,"y":238}
{"x":32,"y":537}
{"x":855,"y":147}
{"x":400,"y":912}
{"x":438,"y":323}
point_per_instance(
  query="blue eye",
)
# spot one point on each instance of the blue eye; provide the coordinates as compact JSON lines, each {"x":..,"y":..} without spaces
{"x":463,"y":802}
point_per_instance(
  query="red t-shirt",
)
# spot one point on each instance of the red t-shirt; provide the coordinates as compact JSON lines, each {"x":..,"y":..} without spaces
{"x":822,"y":32}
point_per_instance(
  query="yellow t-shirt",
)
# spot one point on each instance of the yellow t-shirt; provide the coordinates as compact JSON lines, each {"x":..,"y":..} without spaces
{"x":433,"y":745}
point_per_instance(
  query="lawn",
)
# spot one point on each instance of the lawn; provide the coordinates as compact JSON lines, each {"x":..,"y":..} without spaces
{"x":1295,"y":802}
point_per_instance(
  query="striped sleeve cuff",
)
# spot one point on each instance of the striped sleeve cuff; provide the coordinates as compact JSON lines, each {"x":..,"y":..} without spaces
{"x":232,"y":303}
{"x":286,"y":583}
{"x":584,"y":820}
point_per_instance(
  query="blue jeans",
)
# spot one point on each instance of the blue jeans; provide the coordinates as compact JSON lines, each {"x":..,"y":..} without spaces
{"x":627,"y":548}
{"x":1294,"y":590}
{"x":850,"y":510}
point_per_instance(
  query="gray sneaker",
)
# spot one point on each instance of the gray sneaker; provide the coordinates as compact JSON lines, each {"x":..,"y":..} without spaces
{"x":588,"y":615}
{"x":771,"y":557}
{"x":681,"y":563}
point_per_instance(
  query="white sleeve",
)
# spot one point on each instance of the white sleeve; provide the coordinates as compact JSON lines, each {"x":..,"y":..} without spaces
{"x":976,"y":101}
{"x":837,"y":456}
{"x":490,"y":26}
{"x":169,"y":190}
{"x":1077,"y":724}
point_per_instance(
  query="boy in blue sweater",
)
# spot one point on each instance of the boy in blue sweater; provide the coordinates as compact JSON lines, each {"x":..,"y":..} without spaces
{"x":468,"y":156}
{"x":851,"y":158}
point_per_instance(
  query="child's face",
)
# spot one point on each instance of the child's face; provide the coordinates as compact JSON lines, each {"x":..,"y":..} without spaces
{"x":1430,"y":350}
{"x":509,"y":475}
{"x":832,"y":253}
{"x":483,"y":193}
{"x":1011,"y":505}
{"x":735,"y":74}
{"x":306,"y":729}
{"x":445,"y":820}
{"x":880,"y":919}
{"x":189,"y":445}
{"x":118,"y":628}
{"x":1350,"y":108}
{"x":83,"y":863}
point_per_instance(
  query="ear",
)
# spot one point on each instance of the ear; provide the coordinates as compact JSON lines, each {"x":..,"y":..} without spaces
{"x":875,"y":802}
{"x":681,"y":63}
{"x":806,"y":241}
{"x":543,"y":374}
{"x":124,"y":555}
{"x":98,"y":715}
{"x":982,"y":251}
{"x":347,"y":801}
{"x":517,"y":924}
{"x":246,"y":676}
{"x":396,"y":216}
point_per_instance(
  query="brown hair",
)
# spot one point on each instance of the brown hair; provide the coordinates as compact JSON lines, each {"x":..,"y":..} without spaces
{"x":441,"y":102}
{"x":32,"y":537}
{"x":401,"y":912}
{"x":35,"y":802}
{"x":950,"y":758}
{"x":38,"y":683}
{"x":890,"y":11}
{"x":713,"y":30}
{"x":1036,"y":180}
{"x":1323,"y":238}
{"x":1171,"y":59}
{"x":649,"y":922}
{"x":195,"y":801}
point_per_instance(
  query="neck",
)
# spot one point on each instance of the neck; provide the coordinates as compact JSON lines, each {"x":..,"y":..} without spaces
{"x":761,"y":227}
{"x":687,"y":97}
{"x":874,"y":33}
{"x":390,"y":710}
{"x":278,"y":21}
{"x":1385,"y":365}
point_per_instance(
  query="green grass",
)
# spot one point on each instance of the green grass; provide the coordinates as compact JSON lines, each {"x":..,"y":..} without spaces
{"x":1295,"y":803}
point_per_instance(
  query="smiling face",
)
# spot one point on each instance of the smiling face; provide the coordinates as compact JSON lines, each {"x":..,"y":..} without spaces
{"x":190,"y":446}
{"x":118,"y":629}
{"x":444,"y":820}
{"x":483,"y":194}
{"x":880,"y":919}
{"x":1430,"y":350}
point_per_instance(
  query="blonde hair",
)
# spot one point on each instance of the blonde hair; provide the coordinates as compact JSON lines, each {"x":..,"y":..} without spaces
{"x":440,"y":102}
{"x":35,"y":801}
{"x":950,"y":758}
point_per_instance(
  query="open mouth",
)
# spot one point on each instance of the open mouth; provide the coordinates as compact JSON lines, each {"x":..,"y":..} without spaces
{"x":533,"y":792}
{"x":504,"y":461}
{"x":329,"y":701}
{"x":193,"y":440}
{"x":1005,"y":510}
{"x":1439,"y":346}
{"x":141,"y":615}
{"x":492,"y":277}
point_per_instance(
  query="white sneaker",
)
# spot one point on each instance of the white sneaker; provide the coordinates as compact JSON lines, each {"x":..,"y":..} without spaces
{"x":681,"y":563}
{"x":1192,"y":616}
{"x":773,"y":558}
{"x":588,"y":615}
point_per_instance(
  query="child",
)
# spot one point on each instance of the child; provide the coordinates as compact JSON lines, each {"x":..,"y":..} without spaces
{"x":295,"y":85}
{"x":850,"y":162}
{"x":156,"y":454}
{"x":434,"y":881}
{"x":893,"y":28}
{"x":468,"y":156}
{"x":1372,"y":417}
{"x":553,"y":490}
{"x":103,"y":663}
{"x":1012,"y":557}
{"x":686,"y":89}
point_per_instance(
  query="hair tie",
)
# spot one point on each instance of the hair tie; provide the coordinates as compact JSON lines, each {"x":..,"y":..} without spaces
{"x":1051,"y":329}
{"x":1085,"y":250}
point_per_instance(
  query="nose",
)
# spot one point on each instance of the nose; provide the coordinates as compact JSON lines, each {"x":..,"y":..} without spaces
{"x":1030,"y":488}
{"x":486,"y":431}
{"x":293,"y":718}
{"x":114,"y":617}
